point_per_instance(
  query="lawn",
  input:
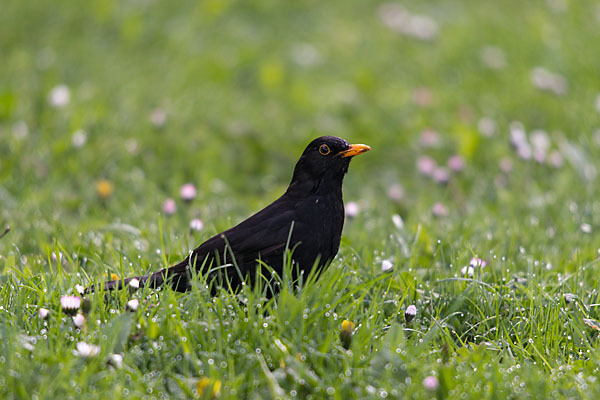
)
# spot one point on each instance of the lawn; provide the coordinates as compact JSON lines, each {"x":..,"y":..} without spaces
{"x":478,"y":205}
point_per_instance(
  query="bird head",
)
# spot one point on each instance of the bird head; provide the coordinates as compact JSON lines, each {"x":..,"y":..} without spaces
{"x":325,"y":160}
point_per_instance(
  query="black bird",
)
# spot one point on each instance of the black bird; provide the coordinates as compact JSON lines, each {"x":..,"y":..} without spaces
{"x":307,"y":219}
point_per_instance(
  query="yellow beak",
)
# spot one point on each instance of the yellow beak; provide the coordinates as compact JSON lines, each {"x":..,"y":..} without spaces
{"x":354,"y":150}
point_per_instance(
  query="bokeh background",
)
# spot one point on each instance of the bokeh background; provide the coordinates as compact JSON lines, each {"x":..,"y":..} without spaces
{"x":478,"y":204}
{"x":107,"y":108}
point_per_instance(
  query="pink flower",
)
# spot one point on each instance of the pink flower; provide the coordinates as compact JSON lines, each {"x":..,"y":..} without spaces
{"x":422,"y":96}
{"x":70,"y":304}
{"x":426,"y":165}
{"x":196,"y":225}
{"x":59,"y":96}
{"x":158,"y":117}
{"x":431,"y":383}
{"x":456,"y":163}
{"x":43,"y":313}
{"x":386,"y":265}
{"x":439,"y":210}
{"x":396,"y":192}
{"x":352,"y":209}
{"x":86,"y":350}
{"x":132,"y":305}
{"x":410,"y":313}
{"x":430,"y":138}
{"x":441,"y":175}
{"x":188,"y":192}
{"x":79,"y":320}
{"x":169,"y":207}
{"x":477,"y":262}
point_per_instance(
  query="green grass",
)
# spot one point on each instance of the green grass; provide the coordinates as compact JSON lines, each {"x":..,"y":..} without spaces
{"x":245,"y":86}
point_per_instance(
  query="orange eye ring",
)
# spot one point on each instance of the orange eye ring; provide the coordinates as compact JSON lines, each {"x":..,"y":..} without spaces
{"x":324,"y":150}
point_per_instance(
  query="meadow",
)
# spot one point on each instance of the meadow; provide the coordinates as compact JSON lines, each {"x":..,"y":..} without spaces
{"x":469,"y":263}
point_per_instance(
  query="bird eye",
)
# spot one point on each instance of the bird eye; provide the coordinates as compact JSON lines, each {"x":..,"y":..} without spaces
{"x":324,"y":150}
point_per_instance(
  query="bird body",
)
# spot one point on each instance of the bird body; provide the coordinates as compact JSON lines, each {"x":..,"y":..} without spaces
{"x":307,"y":220}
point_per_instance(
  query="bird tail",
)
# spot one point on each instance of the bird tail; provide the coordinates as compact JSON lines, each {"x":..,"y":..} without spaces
{"x":177,"y":276}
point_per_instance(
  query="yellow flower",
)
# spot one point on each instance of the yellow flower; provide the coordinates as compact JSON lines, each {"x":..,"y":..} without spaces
{"x":104,"y":188}
{"x":347,"y":326}
{"x":112,"y":276}
{"x":214,"y":385}
{"x":346,"y":333}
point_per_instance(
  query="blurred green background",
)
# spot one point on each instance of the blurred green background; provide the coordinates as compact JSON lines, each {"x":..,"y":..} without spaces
{"x":484,"y":123}
{"x":150,"y":95}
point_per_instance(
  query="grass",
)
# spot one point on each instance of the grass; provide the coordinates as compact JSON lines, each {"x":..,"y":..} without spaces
{"x":225,"y":95}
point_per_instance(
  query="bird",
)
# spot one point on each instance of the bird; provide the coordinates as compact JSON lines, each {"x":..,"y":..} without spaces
{"x":305,"y":222}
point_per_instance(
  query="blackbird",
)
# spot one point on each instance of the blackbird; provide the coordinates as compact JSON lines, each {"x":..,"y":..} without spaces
{"x":307,"y":220}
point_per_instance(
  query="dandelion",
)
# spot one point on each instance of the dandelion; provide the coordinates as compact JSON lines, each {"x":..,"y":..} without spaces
{"x":346,"y":333}
{"x":188,"y":192}
{"x":59,"y":96}
{"x":426,"y":165}
{"x":352,"y":209}
{"x":132,"y":305}
{"x":431,"y":383}
{"x":386,"y":265}
{"x":70,"y":304}
{"x":112,"y":276}
{"x":410,"y":313}
{"x":456,"y":163}
{"x":439,"y":210}
{"x":169,"y":207}
{"x":158,"y":117}
{"x":104,"y":188}
{"x":207,"y":385}
{"x":43,"y":313}
{"x":196,"y":225}
{"x":86,"y":350}
{"x":79,"y":320}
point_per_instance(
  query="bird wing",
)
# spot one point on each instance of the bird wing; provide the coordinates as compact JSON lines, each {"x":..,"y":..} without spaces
{"x":262,"y":235}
